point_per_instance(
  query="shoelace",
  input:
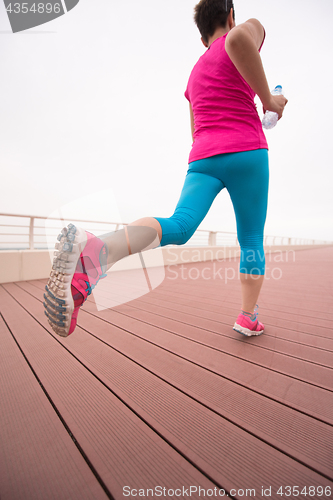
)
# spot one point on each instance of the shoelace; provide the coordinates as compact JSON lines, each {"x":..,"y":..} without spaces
{"x":90,"y":288}
{"x":249,"y":315}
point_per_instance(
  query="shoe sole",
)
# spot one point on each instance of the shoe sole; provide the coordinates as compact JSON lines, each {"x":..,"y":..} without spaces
{"x":58,"y":300}
{"x":246,"y":331}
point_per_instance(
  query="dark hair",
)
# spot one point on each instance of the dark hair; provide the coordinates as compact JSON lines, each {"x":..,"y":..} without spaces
{"x":210,"y":14}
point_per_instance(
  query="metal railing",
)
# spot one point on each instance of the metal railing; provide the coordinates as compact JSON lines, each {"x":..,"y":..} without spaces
{"x":28,"y":232}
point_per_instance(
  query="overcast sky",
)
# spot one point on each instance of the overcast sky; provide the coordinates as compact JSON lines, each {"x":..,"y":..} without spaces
{"x":94,"y":101}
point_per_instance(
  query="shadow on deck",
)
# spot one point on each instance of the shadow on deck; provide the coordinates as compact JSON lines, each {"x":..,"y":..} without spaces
{"x":162,"y":393}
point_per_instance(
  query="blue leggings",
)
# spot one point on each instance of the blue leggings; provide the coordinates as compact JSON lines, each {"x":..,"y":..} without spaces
{"x":245,"y":175}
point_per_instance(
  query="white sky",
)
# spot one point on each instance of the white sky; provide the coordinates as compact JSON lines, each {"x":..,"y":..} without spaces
{"x":94,"y":100}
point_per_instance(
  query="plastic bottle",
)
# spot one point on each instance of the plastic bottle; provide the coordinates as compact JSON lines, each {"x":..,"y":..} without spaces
{"x":271,"y":118}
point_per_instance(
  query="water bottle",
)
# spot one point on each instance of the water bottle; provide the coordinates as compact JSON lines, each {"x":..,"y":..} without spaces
{"x":271,"y":118}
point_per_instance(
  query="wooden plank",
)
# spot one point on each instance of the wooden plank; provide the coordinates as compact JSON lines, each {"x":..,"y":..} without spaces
{"x":224,"y":316}
{"x":314,"y":278}
{"x":121,"y":447}
{"x":242,"y":348}
{"x":273,"y":316}
{"x":263,"y":418}
{"x":297,"y":394}
{"x":282,"y":340}
{"x":168,"y":318}
{"x":38,"y":459}
{"x":223,"y":299}
{"x":221,"y":307}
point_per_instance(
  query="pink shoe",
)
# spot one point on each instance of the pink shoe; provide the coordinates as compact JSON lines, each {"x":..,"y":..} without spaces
{"x":248,"y":326}
{"x":79,"y":263}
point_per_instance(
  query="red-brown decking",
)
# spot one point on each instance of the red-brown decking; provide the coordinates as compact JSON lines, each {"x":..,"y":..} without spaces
{"x":162,"y":392}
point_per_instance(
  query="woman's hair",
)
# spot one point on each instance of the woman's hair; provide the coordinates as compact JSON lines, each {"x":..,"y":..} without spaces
{"x":210,"y":14}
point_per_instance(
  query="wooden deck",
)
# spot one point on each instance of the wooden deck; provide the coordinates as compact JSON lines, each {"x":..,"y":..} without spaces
{"x":161,"y":392}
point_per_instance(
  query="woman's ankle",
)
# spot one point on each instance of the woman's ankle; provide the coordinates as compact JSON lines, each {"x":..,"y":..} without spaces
{"x":250,"y":314}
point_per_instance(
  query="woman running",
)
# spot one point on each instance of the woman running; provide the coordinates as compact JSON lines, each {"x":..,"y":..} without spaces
{"x":229,"y":151}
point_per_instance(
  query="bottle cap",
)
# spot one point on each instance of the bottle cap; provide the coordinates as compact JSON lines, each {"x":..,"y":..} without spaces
{"x":278,"y":87}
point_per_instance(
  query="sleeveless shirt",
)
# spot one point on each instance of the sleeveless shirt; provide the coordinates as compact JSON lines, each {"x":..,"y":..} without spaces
{"x":225,"y":115}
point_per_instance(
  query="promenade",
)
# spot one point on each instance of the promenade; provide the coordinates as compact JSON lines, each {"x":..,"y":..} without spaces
{"x":159,"y":397}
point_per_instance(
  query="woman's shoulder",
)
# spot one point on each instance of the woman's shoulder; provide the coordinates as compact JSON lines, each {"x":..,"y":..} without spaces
{"x":252,"y":27}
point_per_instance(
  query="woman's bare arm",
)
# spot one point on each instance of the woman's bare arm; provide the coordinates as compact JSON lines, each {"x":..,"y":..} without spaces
{"x":242,"y":45}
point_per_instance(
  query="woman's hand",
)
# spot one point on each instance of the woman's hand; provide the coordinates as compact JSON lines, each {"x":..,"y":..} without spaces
{"x":276,"y":104}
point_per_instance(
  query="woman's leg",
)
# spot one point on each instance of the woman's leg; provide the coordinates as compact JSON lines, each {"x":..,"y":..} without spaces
{"x":247,"y":180}
{"x":82,"y":259}
{"x":138,"y":236}
{"x":251,"y":286}
{"x":197,"y":195}
{"x":149,"y":222}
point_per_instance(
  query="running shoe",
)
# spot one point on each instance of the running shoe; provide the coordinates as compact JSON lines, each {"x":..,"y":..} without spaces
{"x":247,"y":325}
{"x":80,"y":261}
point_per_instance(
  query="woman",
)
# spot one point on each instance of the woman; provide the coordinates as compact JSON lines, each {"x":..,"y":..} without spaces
{"x":229,"y":151}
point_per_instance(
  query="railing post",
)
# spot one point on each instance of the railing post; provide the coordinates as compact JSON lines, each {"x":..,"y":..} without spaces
{"x":212,"y":239}
{"x":31,"y":233}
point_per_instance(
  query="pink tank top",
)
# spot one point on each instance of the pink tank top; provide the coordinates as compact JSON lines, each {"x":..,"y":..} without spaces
{"x":225,"y":115}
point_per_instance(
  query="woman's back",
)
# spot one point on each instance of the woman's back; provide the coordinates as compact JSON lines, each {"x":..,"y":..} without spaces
{"x":225,"y":116}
